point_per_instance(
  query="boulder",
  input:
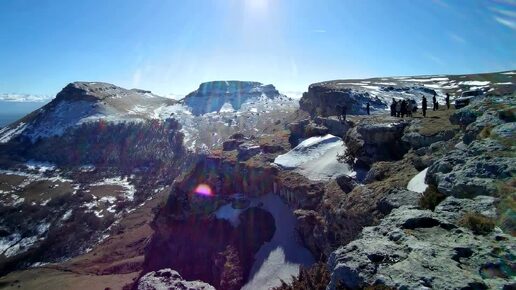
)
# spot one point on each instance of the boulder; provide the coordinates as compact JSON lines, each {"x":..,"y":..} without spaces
{"x":231,"y":144}
{"x":346,"y":182}
{"x":247,"y":150}
{"x":464,"y":116}
{"x":396,"y":198}
{"x":370,"y":141}
{"x":487,"y":120}
{"x":169,"y":279}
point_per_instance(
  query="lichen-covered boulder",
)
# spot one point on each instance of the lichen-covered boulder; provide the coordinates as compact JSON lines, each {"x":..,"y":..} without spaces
{"x":165,"y":279}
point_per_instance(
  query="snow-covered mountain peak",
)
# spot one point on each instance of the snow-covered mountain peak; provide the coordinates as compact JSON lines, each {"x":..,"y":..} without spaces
{"x":211,"y":96}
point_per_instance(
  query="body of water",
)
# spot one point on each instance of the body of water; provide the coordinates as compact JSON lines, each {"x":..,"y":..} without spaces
{"x":12,"y":111}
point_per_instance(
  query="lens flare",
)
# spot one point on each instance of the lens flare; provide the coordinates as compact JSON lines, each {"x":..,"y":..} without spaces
{"x":203,"y":189}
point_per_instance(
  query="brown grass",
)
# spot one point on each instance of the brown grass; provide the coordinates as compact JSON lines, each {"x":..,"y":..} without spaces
{"x":477,"y":223}
{"x":431,"y":198}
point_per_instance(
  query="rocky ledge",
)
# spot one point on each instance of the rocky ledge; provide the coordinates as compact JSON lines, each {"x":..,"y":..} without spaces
{"x":420,"y":249}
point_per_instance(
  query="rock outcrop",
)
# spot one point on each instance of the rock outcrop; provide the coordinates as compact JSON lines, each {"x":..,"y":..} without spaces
{"x":471,"y":170}
{"x":320,"y":126}
{"x":169,"y":279}
{"x":371,"y":141}
{"x":420,"y":249}
{"x":322,"y":99}
{"x":417,"y":139}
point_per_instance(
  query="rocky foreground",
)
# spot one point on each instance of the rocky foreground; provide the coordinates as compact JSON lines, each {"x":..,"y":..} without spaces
{"x":378,"y":201}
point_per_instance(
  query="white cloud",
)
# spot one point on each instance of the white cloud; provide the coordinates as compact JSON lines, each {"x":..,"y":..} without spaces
{"x":137,"y":78}
{"x":441,"y":3}
{"x":318,"y":30}
{"x":505,"y":12}
{"x":434,"y":58}
{"x":7,"y":97}
{"x":457,"y":38}
{"x":509,"y":23}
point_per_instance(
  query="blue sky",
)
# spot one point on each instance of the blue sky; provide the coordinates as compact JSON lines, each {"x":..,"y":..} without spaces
{"x":170,"y":46}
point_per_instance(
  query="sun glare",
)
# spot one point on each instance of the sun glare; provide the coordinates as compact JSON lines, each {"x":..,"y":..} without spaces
{"x":204,"y":190}
{"x":259,"y":5}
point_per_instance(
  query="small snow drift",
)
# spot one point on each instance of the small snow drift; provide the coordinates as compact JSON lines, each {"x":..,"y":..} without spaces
{"x":280,"y":258}
{"x":316,"y":158}
{"x":229,"y":213}
{"x":417,"y":183}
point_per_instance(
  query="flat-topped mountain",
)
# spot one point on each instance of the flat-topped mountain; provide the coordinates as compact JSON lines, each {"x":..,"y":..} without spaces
{"x":213,"y":96}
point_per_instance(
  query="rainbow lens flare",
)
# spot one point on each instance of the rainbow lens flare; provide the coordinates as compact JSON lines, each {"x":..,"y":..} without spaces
{"x":204,"y":190}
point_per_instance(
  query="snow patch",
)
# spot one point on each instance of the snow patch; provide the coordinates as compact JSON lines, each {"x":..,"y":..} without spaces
{"x":7,"y":133}
{"x":475,"y":83}
{"x":130,"y":190}
{"x":40,"y":166}
{"x":317,"y":158}
{"x":14,"y":244}
{"x":67,"y":215}
{"x":281,"y":258}
{"x":417,"y":183}
{"x":226,"y":108}
{"x":229,"y":213}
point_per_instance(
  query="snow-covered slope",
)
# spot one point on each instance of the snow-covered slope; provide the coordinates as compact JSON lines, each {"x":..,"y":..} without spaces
{"x":317,"y":158}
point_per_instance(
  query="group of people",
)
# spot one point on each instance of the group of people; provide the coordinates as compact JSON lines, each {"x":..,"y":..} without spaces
{"x":402,"y":108}
{"x":399,"y":108}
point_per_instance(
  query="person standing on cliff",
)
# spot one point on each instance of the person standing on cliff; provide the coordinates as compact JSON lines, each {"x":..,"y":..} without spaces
{"x":398,"y":109}
{"x":434,"y":100}
{"x":424,"y":106}
{"x":368,"y":109}
{"x":393,"y":108}
{"x":409,"y":108}
{"x":343,"y":112}
{"x":403,"y":108}
{"x":448,"y":101}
